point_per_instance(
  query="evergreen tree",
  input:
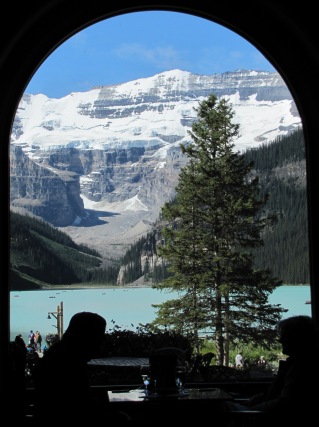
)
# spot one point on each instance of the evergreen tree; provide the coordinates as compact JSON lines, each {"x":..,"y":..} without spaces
{"x":216,"y":216}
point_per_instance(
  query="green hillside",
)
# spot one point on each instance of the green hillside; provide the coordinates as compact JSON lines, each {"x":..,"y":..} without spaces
{"x":42,"y":255}
{"x":282,"y":172}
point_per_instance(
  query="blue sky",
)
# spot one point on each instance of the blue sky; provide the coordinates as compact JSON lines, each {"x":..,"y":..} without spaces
{"x":142,"y":44}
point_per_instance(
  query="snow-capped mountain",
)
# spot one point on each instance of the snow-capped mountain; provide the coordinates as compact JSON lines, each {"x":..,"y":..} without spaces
{"x":154,"y":112}
{"x":116,"y":148}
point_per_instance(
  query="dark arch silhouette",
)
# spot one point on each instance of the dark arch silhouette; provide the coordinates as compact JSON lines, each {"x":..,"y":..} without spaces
{"x":286,"y":36}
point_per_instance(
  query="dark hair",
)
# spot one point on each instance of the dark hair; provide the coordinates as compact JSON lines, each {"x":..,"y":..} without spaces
{"x":84,"y":324}
{"x":299,"y":328}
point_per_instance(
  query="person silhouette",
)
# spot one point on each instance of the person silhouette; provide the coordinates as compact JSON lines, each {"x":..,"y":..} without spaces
{"x":61,"y":377}
{"x":292,"y":398}
{"x":239,"y":361}
{"x":18,"y":351}
{"x":38,"y":339}
{"x":31,"y":339}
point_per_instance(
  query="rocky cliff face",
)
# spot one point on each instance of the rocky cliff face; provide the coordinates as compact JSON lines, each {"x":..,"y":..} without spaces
{"x":116,"y":149}
{"x":51,"y":187}
{"x":49,"y":193}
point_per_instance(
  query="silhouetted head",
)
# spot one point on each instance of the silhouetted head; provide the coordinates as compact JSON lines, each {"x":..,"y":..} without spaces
{"x":19,"y":340}
{"x":87,"y":330}
{"x":297,"y":334}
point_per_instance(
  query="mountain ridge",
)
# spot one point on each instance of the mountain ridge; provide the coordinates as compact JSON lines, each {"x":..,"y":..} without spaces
{"x":106,"y":160}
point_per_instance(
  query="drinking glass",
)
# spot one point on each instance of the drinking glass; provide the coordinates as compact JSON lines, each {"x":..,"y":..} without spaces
{"x":146,"y":381}
{"x":180,"y":378}
{"x":145,"y":377}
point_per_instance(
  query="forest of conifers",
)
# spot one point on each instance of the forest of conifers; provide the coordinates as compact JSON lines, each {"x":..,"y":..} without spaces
{"x":41,"y":254}
{"x":281,"y":168}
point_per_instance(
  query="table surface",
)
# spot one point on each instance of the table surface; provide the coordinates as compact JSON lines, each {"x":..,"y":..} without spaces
{"x":138,"y":395}
{"x":120,"y":361}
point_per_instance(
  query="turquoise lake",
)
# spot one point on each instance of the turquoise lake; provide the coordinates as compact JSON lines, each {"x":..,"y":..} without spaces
{"x":126,"y":307}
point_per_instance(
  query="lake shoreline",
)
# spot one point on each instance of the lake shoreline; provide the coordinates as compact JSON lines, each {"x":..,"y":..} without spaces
{"x":82,"y":286}
{"x":88,"y":287}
